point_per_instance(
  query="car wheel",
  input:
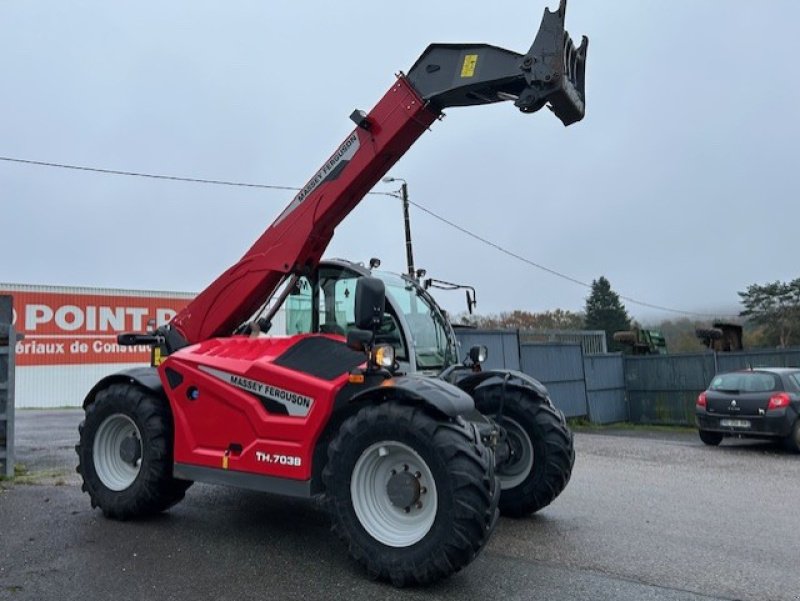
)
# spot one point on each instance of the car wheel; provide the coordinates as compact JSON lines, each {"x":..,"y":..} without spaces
{"x":792,"y":442}
{"x":712,"y":439}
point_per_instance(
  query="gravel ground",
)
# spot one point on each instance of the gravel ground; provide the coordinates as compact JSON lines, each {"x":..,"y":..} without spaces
{"x":646,"y":516}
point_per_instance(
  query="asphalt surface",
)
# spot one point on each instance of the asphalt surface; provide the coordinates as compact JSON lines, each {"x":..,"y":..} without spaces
{"x":645,"y":517}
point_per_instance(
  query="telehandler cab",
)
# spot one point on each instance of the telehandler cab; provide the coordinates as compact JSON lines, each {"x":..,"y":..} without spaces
{"x":363,"y":400}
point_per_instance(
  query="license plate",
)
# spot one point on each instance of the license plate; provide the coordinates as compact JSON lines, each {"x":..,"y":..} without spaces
{"x":734,"y":423}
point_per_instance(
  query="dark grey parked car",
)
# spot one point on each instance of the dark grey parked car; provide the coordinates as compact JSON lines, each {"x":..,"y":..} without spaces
{"x":758,"y":403}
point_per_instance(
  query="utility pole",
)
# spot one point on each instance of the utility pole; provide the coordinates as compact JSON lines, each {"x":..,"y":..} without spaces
{"x":407,"y":223}
{"x":407,"y":220}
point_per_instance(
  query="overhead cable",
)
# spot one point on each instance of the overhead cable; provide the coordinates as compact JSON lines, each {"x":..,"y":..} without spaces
{"x":463,"y":230}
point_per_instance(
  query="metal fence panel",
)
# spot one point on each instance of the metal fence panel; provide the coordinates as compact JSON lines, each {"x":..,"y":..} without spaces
{"x":552,"y":362}
{"x":607,"y":406}
{"x":663,"y":388}
{"x":604,"y":372}
{"x":503,"y":346}
{"x":592,"y":341}
{"x":570,"y":397}
{"x":560,"y":368}
{"x":766,"y":358}
{"x":7,"y":345}
{"x":668,"y":408}
{"x":669,"y":372}
{"x":605,"y":388}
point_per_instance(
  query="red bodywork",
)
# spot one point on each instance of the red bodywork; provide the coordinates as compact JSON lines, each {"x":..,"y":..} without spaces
{"x":223,"y":416}
{"x":225,"y":426}
{"x":302,"y":232}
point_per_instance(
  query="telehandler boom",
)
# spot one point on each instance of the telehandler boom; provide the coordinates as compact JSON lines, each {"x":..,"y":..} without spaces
{"x":446,"y":75}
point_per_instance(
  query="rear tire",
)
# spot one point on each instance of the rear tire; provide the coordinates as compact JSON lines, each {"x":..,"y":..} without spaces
{"x":712,"y":439}
{"x":543,"y":445}
{"x":625,"y":337}
{"x":792,"y":442}
{"x":125,"y":453}
{"x":414,"y":497}
{"x":710,"y":333}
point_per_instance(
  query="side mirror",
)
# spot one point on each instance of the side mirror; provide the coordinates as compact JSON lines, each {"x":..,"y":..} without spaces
{"x":370,"y":303}
{"x":478,"y":354}
{"x":359,"y":340}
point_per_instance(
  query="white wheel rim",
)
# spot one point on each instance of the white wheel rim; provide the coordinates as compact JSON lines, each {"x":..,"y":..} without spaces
{"x":514,"y":474}
{"x":384,"y":521}
{"x":114,"y":472}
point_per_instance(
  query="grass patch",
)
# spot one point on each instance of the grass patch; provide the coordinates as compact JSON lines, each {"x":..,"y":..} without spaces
{"x":56,"y":408}
{"x":41,"y":477}
{"x":19,"y":470}
{"x":581,"y":424}
{"x":24,"y":476}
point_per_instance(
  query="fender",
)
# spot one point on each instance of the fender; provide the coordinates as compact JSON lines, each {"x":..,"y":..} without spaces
{"x":495,"y":377}
{"x":442,"y":396}
{"x":146,"y":377}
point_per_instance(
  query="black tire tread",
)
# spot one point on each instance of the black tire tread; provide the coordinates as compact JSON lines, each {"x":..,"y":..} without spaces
{"x":555,"y":444}
{"x":711,"y":439}
{"x":792,"y":441}
{"x":625,"y":337}
{"x":474,"y":492}
{"x":154,"y":490}
{"x":710,"y":333}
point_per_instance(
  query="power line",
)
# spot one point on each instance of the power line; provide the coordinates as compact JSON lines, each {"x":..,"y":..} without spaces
{"x":552,"y":271}
{"x":215,"y":182}
{"x":444,"y":220}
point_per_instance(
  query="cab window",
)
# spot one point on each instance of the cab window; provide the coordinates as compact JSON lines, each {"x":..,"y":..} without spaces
{"x":334,"y":309}
{"x":298,"y":308}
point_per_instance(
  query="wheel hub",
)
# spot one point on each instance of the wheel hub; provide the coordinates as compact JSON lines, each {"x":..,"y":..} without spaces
{"x":519,"y":462}
{"x":515,"y":449}
{"x":130,"y":450}
{"x":393,"y":492}
{"x":117,"y":452}
{"x":403,"y":489}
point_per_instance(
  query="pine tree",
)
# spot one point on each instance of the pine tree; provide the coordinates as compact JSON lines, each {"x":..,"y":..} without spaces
{"x":776,"y":307}
{"x":604,"y":311}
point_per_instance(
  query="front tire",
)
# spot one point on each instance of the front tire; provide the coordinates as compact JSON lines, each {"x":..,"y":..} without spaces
{"x":125,"y":453}
{"x":413,"y":496}
{"x":542,"y":445}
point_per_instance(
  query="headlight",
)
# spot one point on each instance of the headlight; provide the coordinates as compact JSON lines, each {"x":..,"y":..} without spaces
{"x":383,"y":355}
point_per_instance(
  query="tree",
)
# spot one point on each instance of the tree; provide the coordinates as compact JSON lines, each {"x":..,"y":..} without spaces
{"x":558,"y":319}
{"x":679,"y":334}
{"x":776,"y":307}
{"x":604,"y":311}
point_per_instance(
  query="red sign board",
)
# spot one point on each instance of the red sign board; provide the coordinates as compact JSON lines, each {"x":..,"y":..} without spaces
{"x":68,"y":328}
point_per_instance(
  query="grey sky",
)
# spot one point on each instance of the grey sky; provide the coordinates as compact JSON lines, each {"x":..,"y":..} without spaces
{"x":680,"y":185}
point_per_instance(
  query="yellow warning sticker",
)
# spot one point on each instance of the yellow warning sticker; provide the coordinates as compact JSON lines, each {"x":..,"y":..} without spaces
{"x":468,"y":68}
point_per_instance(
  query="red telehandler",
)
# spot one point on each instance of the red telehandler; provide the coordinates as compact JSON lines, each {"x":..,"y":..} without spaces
{"x":364,"y":400}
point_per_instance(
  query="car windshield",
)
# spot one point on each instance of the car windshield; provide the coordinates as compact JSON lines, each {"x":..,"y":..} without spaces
{"x":430,"y":337}
{"x":750,"y":381}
